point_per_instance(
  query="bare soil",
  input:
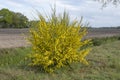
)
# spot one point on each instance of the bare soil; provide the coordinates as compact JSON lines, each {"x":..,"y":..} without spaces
{"x":10,"y":38}
{"x":100,"y":32}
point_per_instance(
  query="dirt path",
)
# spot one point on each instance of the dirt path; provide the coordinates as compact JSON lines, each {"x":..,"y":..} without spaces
{"x":10,"y":38}
{"x":14,"y":40}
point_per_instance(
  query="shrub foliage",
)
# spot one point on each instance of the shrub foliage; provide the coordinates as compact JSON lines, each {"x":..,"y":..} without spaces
{"x":57,"y":42}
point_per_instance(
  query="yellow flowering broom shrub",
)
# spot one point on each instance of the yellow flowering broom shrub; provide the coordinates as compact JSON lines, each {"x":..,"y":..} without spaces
{"x":57,"y":42}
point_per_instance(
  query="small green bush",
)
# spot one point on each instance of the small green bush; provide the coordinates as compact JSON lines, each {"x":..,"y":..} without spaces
{"x":119,"y":38}
{"x":99,"y":41}
{"x":96,"y":42}
{"x":57,"y":42}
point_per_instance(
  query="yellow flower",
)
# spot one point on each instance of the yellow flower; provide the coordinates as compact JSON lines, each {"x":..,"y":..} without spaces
{"x":56,"y":41}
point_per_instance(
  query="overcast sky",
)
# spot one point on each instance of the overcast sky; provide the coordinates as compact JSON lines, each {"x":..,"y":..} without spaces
{"x":89,"y":9}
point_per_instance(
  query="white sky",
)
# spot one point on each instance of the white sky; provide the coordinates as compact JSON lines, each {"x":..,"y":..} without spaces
{"x":89,"y":9}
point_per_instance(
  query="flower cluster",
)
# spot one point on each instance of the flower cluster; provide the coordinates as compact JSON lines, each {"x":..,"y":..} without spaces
{"x":57,"y":42}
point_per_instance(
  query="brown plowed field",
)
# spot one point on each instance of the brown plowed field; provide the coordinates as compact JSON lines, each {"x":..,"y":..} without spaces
{"x":100,"y":32}
{"x":10,"y":38}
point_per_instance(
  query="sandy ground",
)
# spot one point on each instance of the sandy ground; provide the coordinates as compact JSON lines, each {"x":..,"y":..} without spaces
{"x":10,"y":41}
{"x":10,"y":38}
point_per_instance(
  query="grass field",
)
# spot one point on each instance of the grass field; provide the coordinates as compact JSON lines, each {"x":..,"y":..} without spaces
{"x":104,"y":64}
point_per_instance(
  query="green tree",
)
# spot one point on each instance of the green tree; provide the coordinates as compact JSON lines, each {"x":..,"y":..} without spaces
{"x":10,"y":19}
{"x":19,"y":20}
{"x":6,"y":17}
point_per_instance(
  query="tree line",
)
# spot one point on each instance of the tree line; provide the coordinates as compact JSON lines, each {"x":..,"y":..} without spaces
{"x":10,"y":19}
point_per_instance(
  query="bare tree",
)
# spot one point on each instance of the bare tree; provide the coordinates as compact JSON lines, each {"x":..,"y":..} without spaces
{"x":105,"y":2}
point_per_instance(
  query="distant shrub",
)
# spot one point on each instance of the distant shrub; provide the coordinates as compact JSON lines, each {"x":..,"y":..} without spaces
{"x":119,"y":38}
{"x":99,"y":41}
{"x":56,"y":42}
{"x":96,"y":42}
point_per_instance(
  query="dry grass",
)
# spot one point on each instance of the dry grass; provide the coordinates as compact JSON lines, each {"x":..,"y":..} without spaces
{"x":103,"y":65}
